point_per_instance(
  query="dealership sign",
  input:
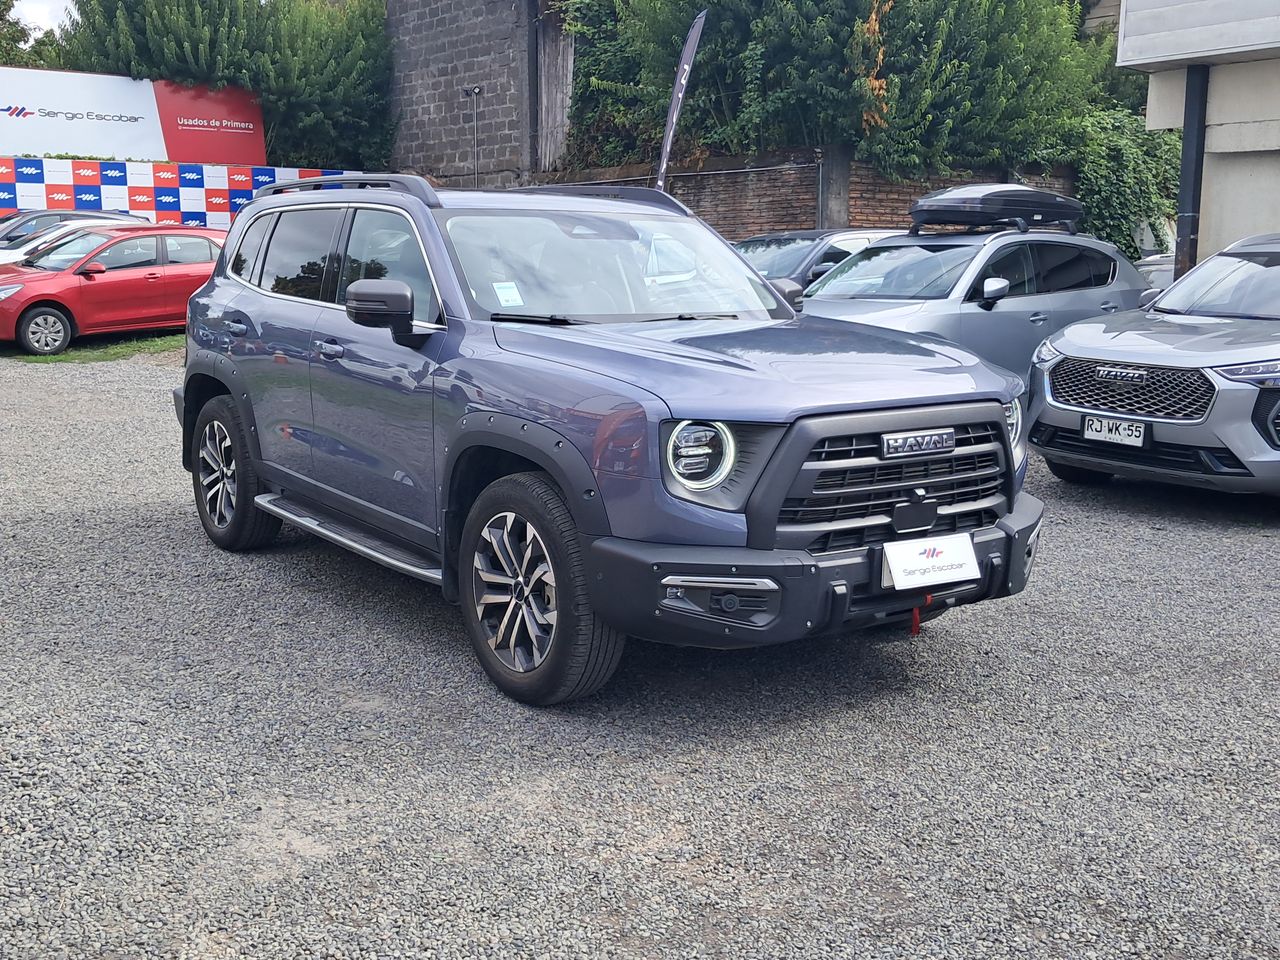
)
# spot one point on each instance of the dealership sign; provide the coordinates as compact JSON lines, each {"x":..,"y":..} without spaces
{"x":197,"y":194}
{"x":56,"y":112}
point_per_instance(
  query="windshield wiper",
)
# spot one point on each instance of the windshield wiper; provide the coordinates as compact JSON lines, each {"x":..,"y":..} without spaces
{"x":1169,"y":310}
{"x":552,"y":318}
{"x":690,"y":316}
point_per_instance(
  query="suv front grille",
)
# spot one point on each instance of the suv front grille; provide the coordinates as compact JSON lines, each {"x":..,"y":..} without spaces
{"x":1168,"y":393}
{"x":845,"y":495}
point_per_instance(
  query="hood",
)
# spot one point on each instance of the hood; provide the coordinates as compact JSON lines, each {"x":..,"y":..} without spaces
{"x":893,"y":314}
{"x":16,"y":273}
{"x":770,"y":370}
{"x":1173,"y":340}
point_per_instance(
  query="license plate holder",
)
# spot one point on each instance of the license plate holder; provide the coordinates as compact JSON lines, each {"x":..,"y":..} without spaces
{"x":1125,"y":433}
{"x":929,"y":562}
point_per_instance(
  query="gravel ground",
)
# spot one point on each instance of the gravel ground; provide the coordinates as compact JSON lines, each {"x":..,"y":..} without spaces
{"x":293,"y":753}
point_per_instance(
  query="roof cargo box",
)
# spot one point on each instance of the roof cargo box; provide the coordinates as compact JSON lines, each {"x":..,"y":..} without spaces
{"x":995,"y":204}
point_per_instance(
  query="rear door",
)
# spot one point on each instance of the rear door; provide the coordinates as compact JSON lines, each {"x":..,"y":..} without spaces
{"x":188,"y":263}
{"x":1081,"y":281}
{"x":130,"y":293}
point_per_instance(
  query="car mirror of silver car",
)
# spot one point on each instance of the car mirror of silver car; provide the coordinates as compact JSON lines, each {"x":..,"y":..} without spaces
{"x":1148,"y":297}
{"x":790,"y":291}
{"x":994,"y":289}
{"x":388,"y":303}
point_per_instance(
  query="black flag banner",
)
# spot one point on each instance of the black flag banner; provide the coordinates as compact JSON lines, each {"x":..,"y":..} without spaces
{"x":677,"y":95}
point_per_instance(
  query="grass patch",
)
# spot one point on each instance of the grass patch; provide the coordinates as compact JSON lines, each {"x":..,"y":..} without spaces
{"x":97,"y":349}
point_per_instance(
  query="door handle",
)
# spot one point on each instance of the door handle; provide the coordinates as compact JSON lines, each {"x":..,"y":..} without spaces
{"x":1038,"y":318}
{"x":1109,"y":307}
{"x":236,"y":329}
{"x":152,"y":276}
{"x":330,"y":350}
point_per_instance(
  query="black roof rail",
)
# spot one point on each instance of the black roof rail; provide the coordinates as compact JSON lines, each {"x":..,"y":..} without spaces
{"x":656,"y":198}
{"x":399,"y":182}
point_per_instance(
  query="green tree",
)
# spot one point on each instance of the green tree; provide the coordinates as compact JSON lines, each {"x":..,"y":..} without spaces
{"x":19,"y":46}
{"x":321,"y":69}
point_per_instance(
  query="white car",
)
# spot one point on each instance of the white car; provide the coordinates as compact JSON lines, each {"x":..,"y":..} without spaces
{"x":15,"y":251}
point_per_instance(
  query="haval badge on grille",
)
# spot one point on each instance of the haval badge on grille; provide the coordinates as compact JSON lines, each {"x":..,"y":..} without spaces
{"x":1121,"y":375}
{"x":917,"y":442}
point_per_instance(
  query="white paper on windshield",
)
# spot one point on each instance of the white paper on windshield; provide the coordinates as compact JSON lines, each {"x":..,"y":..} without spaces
{"x":508,"y":294}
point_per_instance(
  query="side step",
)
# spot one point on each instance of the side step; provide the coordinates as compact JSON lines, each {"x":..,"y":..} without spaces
{"x":344,"y":535}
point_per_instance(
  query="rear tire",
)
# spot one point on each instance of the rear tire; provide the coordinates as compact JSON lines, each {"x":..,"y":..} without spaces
{"x":225,"y":482}
{"x":44,"y":331}
{"x":1079,"y":475}
{"x":523,"y":588}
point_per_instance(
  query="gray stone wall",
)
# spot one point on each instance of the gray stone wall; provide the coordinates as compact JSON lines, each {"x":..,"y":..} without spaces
{"x":442,"y":49}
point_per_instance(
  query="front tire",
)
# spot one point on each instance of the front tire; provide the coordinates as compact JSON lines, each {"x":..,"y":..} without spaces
{"x":1079,"y":475}
{"x":225,"y":482}
{"x":524,"y":595}
{"x":44,"y":331}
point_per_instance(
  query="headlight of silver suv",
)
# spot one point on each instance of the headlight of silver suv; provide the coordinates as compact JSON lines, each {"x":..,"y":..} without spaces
{"x":1013,"y":417}
{"x":1264,"y":374}
{"x":9,"y":291}
{"x":1045,"y":354}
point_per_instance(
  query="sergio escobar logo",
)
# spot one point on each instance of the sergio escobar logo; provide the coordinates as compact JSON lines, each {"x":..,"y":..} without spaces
{"x":89,"y":115}
{"x":932,"y":568}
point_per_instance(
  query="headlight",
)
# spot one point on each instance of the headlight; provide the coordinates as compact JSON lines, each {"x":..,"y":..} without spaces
{"x":9,"y":291}
{"x":1265,"y":374}
{"x":1013,"y":417}
{"x":701,"y":455}
{"x":1045,"y":354}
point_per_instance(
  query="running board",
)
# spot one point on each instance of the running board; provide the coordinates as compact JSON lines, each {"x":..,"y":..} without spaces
{"x":345,"y":535}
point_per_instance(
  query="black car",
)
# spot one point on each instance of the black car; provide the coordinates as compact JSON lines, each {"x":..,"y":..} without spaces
{"x":22,"y":223}
{"x":805,"y":255}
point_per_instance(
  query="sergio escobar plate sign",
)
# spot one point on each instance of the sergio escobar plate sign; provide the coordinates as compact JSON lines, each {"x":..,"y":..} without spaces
{"x":92,"y":114}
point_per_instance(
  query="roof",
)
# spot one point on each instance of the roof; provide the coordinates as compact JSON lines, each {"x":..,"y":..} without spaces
{"x":825,"y":232}
{"x":132,"y":229}
{"x":1262,"y":242}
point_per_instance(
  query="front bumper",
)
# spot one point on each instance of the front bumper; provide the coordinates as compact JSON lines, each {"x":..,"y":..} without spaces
{"x":783,"y":595}
{"x":1224,"y":451}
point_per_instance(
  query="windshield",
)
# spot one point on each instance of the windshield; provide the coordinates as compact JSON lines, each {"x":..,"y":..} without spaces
{"x":33,"y":240}
{"x":64,"y":254}
{"x":1228,"y":285}
{"x":776,"y":256}
{"x":922,"y":271}
{"x":601,"y":267}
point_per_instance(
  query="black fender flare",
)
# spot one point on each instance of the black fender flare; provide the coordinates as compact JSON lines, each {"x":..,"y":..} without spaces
{"x":220,"y":368}
{"x":539,"y":444}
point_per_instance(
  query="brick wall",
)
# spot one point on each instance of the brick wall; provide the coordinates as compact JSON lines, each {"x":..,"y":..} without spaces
{"x":441,"y":50}
{"x":742,"y":196}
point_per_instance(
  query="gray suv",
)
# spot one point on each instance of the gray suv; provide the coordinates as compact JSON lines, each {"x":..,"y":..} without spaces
{"x":998,"y":288}
{"x":1187,"y":391}
{"x":582,"y":415}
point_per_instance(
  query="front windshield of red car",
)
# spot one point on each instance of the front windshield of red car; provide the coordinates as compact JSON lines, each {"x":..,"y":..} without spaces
{"x":69,"y":251}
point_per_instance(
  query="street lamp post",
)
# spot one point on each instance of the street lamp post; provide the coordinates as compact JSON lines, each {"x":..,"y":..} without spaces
{"x":474,"y":93}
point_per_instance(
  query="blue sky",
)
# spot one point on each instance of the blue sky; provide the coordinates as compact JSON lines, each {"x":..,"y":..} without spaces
{"x":41,"y":14}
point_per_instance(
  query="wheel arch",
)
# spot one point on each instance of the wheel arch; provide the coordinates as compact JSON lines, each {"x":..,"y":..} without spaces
{"x":57,"y":305}
{"x":488,"y":447}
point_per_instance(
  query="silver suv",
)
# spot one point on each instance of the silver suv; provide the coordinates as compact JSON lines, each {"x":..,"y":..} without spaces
{"x":997,"y":288}
{"x":1187,"y":391}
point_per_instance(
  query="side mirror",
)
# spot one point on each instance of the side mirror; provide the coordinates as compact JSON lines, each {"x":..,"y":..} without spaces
{"x":790,"y":291}
{"x":381,"y":303}
{"x":994,"y":289}
{"x":820,"y":270}
{"x":1148,"y":297}
{"x":92,"y":269}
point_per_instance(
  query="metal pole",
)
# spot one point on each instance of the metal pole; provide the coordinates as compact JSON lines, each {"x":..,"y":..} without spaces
{"x":1191,"y":183}
{"x":475,"y":136}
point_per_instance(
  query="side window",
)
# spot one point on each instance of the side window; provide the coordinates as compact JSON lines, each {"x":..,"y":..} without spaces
{"x":181,"y":250}
{"x":850,"y":245}
{"x":34,"y":225}
{"x":129,"y":254}
{"x":383,"y":246}
{"x":245,"y":263}
{"x":834,"y":254}
{"x":1013,"y":264}
{"x":1066,"y":267}
{"x":299,"y":249}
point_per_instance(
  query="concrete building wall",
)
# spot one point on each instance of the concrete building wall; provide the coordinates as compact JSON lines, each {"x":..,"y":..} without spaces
{"x":1162,"y":34}
{"x":442,"y":49}
{"x":1241,"y":198}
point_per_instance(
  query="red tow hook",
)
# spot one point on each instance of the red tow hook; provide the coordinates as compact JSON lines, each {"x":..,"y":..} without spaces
{"x":915,"y":614}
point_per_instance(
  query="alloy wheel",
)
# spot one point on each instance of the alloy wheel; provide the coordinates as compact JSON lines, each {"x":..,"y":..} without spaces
{"x":46,"y":332}
{"x":218,"y":474}
{"x":515,"y":592}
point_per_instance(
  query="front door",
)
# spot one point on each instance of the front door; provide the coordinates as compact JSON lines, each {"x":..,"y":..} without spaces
{"x":130,"y":293}
{"x":371,"y":397}
{"x":1007,"y":332}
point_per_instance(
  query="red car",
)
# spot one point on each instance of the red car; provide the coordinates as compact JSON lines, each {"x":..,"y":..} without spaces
{"x":103,"y":280}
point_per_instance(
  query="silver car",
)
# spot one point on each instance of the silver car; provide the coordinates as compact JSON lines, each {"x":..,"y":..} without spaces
{"x":1187,"y":391}
{"x":996,"y":293}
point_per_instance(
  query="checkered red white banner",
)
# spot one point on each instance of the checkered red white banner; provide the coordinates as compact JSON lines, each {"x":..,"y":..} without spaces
{"x":195,"y":194}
